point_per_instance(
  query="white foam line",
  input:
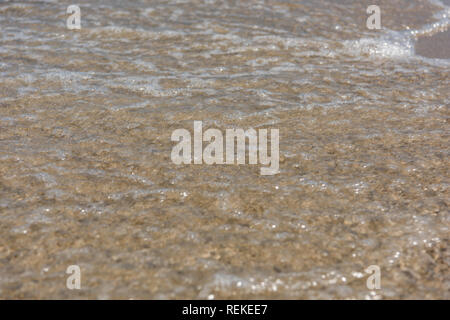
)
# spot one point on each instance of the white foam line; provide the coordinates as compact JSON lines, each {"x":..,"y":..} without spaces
{"x":400,"y":44}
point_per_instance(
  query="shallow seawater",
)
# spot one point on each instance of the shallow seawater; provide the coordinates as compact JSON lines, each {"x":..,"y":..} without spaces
{"x":86,"y":178}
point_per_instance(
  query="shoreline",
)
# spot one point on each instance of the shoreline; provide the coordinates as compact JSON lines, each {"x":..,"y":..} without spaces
{"x":436,"y":46}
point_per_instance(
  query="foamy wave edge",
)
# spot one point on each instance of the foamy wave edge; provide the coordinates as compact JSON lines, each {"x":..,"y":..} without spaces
{"x":399,"y":44}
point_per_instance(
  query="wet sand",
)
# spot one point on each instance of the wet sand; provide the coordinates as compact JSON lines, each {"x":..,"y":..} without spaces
{"x":86,"y":178}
